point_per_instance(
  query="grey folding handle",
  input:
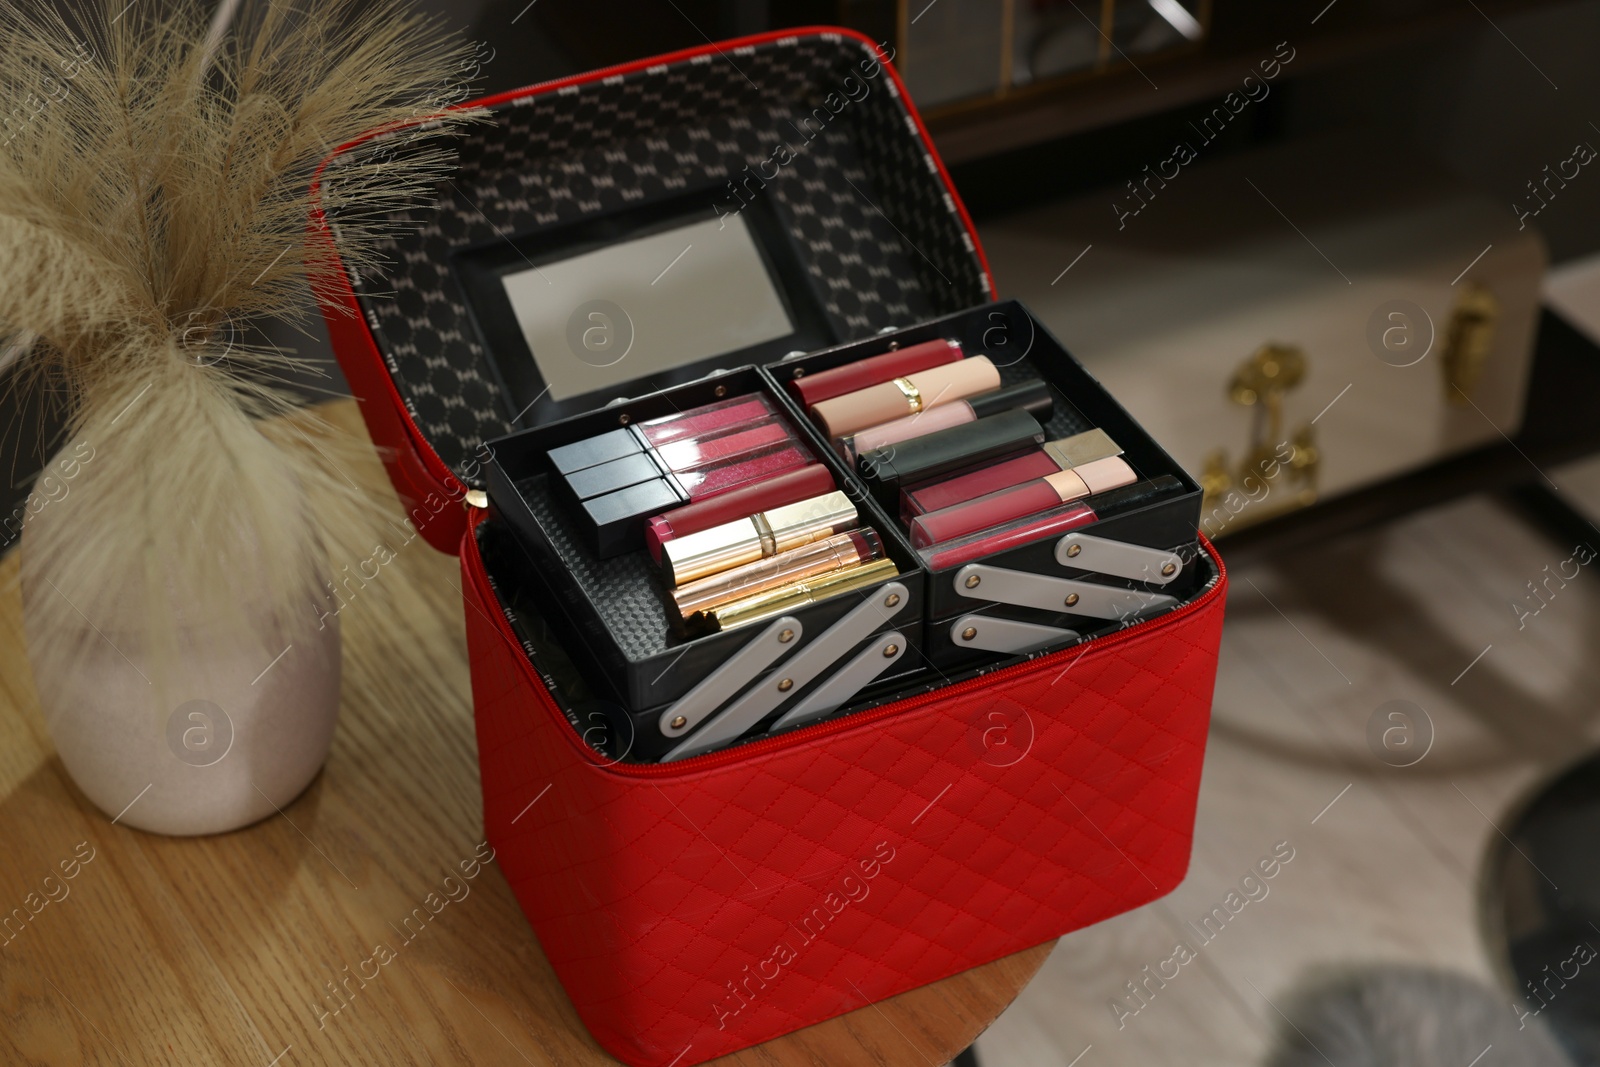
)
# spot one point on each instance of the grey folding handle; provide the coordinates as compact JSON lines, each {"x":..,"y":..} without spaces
{"x":979,"y":581}
{"x":846,"y":682}
{"x":989,"y":634}
{"x":715,"y":688}
{"x":881,"y":605}
{"x":1153,"y":566}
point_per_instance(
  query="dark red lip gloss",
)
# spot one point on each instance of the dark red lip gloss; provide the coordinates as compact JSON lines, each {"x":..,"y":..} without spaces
{"x":1065,"y":454}
{"x":1061,"y":520}
{"x":1020,"y":501}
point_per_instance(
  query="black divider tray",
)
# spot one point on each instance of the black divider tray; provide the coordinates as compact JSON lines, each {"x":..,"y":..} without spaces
{"x":622,"y":633}
{"x":1023,"y":350}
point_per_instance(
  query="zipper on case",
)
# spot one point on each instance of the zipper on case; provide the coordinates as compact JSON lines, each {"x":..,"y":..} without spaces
{"x":863,"y":719}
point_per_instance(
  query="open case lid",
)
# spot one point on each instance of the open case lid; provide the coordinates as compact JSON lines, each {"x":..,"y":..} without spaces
{"x":796,"y":160}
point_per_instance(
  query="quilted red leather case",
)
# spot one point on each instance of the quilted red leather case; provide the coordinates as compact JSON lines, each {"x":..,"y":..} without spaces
{"x":694,"y":908}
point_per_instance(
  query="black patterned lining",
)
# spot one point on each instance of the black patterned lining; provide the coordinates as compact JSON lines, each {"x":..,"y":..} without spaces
{"x":879,"y":232}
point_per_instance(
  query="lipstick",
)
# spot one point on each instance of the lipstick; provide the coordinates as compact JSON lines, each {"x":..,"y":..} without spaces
{"x":931,"y":455}
{"x":1063,"y":454}
{"x":798,"y":564}
{"x":825,"y":385}
{"x":1061,"y":520}
{"x":789,"y":487}
{"x":1033,"y":397}
{"x":763,"y":534}
{"x":905,"y":395}
{"x":796,"y":595}
{"x":1020,"y":501}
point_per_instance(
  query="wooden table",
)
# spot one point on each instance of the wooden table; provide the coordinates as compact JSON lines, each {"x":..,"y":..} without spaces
{"x":216,"y":950}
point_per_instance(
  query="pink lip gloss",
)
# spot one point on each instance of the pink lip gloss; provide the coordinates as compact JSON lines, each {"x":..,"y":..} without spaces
{"x":693,"y":452}
{"x":1020,"y":501}
{"x":707,"y":419}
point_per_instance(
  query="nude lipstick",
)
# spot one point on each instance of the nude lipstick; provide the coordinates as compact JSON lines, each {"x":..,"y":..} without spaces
{"x":764,"y":534}
{"x":825,"y":385}
{"x":1033,"y":397}
{"x":906,"y":395}
{"x":1020,"y":501}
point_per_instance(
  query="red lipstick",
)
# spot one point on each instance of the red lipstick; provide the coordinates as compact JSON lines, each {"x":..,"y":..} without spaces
{"x":752,"y":497}
{"x":825,"y":385}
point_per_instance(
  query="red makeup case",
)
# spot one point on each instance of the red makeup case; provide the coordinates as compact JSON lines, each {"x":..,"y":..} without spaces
{"x":695,"y":908}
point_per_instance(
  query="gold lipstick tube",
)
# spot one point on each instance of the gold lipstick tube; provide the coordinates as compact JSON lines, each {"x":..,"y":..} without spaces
{"x":795,"y":565}
{"x":734,"y":544}
{"x":796,"y":595}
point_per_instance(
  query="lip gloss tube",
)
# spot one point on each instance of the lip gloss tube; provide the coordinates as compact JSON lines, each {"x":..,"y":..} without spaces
{"x":709,"y":481}
{"x":819,"y":557}
{"x":906,"y":395}
{"x":1020,"y":501}
{"x":689,"y":453}
{"x":707,"y":419}
{"x":827,"y":384}
{"x":798,"y":594}
{"x":1033,"y":397}
{"x":1063,"y":454}
{"x":767,"y":533}
{"x":761,"y":494}
{"x":1058,"y":521}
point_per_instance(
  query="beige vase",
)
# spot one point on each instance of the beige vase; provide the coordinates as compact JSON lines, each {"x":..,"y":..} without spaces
{"x":239,"y":737}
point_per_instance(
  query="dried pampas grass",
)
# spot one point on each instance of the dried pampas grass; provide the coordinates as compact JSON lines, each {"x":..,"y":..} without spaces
{"x":155,"y":183}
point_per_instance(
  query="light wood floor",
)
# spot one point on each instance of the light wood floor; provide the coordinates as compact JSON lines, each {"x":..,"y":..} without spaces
{"x":1390,"y":872}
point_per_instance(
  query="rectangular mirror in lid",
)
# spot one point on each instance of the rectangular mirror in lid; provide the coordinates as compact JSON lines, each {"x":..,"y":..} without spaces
{"x":615,"y":236}
{"x":650,"y":298}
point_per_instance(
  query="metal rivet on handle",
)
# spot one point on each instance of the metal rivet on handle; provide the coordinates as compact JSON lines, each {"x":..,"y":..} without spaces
{"x":1072,"y":598}
{"x":786,"y":685}
{"x":679,"y":723}
{"x":969,"y":633}
{"x":1169,"y":570}
{"x":889,"y":651}
{"x":1074,"y":549}
{"x":973,"y":580}
{"x":891,"y":600}
{"x":785,"y":637}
